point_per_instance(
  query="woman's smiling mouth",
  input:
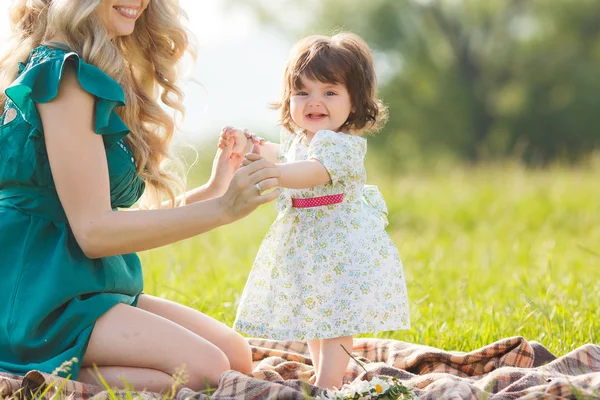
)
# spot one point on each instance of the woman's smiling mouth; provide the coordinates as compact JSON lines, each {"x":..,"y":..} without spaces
{"x":127,"y":12}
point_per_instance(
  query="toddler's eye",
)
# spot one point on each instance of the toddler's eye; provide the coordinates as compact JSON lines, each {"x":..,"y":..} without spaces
{"x":330,"y":93}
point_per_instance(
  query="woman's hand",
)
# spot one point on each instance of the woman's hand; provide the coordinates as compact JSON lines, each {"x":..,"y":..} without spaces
{"x":245,"y":192}
{"x":225,"y":163}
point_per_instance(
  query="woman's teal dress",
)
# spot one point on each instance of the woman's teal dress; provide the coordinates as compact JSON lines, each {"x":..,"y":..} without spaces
{"x":51,"y":294}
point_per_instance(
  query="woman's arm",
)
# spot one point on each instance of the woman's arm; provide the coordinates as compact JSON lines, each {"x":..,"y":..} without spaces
{"x":80,"y":171}
{"x":224,"y":166}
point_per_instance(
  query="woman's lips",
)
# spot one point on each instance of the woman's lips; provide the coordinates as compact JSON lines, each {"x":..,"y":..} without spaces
{"x":127,"y":12}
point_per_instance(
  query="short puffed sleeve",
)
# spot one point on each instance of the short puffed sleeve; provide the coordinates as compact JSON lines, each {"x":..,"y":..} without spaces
{"x":340,"y":153}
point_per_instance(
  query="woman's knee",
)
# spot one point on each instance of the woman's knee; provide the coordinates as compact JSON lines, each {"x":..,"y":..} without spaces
{"x":239,"y":353}
{"x":204,"y":366}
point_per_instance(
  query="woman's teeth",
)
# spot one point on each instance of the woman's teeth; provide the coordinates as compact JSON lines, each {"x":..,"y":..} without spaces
{"x":130,"y":12}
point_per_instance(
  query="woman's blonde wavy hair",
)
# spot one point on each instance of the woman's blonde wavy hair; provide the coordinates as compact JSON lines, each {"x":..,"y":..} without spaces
{"x":145,"y":63}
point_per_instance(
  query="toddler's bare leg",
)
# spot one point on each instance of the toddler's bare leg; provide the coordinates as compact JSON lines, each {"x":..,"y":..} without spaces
{"x":315,"y":349}
{"x":333,"y":361}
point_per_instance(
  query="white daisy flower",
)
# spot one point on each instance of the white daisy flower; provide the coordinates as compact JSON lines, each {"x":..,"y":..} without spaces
{"x":381,"y":386}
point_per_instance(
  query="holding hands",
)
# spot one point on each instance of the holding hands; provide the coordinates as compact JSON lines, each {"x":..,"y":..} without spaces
{"x":242,"y":140}
{"x":229,"y":156}
{"x":250,"y":176}
{"x":243,"y":143}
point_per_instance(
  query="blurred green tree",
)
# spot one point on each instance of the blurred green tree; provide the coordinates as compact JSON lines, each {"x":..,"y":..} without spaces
{"x":479,"y":79}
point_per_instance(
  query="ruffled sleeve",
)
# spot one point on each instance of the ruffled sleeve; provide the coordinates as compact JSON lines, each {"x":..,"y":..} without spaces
{"x":340,"y":153}
{"x":40,"y":82}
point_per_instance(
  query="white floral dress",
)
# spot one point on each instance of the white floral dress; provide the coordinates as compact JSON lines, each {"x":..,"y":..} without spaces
{"x":327,"y":271}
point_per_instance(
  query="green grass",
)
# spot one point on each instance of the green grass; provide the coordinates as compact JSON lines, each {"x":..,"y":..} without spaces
{"x":489,"y":252}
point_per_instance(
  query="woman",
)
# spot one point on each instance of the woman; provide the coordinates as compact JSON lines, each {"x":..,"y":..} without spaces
{"x":81,"y":134}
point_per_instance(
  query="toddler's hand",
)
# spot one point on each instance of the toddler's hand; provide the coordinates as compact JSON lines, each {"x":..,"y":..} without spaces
{"x":252,"y":157}
{"x":257,"y":141}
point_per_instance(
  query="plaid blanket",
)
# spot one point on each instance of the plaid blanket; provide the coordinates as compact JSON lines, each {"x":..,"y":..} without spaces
{"x":511,"y":368}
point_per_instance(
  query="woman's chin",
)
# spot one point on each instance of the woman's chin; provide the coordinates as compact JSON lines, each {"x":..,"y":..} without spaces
{"x":124,"y":30}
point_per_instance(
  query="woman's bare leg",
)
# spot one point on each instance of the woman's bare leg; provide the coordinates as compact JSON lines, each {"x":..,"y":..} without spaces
{"x":150,"y":379}
{"x":234,"y":345}
{"x":144,"y":342}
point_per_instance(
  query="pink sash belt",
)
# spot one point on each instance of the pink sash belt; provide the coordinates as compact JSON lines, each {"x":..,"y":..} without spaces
{"x":317,"y":201}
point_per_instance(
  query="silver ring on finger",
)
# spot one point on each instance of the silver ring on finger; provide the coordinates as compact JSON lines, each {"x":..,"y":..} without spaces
{"x":257,"y":185}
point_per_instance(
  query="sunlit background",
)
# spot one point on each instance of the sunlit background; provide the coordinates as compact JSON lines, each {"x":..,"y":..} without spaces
{"x":488,"y":164}
{"x":465,"y":80}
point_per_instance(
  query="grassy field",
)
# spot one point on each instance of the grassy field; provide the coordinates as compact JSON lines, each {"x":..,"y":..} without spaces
{"x":489,"y":252}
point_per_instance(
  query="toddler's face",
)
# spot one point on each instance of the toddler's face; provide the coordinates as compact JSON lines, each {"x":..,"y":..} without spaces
{"x":119,"y":16}
{"x":319,"y":105}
